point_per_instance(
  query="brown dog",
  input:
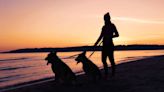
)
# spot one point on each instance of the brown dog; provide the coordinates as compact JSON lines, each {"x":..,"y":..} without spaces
{"x":90,"y":69}
{"x":63,"y":73}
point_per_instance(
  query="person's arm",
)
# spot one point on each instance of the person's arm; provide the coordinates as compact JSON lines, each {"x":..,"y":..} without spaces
{"x":100,"y":37}
{"x":115,"y":33}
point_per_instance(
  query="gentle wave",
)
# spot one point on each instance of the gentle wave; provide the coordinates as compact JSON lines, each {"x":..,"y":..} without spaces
{"x":11,"y":68}
{"x":8,"y":78}
{"x":14,"y":59}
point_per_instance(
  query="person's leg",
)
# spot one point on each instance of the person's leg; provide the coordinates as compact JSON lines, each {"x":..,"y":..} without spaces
{"x":104,"y":58}
{"x":112,"y":61}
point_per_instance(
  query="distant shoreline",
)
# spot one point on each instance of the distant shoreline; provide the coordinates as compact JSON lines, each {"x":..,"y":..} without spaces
{"x":87,"y":48}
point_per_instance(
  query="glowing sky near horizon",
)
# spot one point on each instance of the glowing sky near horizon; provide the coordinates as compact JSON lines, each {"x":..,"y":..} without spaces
{"x":62,"y":23}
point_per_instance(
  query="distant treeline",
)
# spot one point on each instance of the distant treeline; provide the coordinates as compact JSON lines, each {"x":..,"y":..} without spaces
{"x":88,"y":48}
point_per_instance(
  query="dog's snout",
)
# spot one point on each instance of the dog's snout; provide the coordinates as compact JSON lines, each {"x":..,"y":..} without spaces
{"x":46,"y":58}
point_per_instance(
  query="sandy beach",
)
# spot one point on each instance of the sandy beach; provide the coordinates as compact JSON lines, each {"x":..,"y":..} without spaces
{"x":145,"y":75}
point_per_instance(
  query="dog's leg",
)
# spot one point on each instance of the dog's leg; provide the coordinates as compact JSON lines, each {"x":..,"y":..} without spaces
{"x":57,"y":78}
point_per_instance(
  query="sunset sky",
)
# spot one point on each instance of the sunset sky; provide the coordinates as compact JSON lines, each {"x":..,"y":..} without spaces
{"x":62,"y":23}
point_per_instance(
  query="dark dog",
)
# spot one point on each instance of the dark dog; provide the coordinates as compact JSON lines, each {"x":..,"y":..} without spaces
{"x":90,"y":69}
{"x":63,"y":73}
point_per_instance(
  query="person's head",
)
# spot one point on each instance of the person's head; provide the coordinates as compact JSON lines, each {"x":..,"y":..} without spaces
{"x":107,"y":18}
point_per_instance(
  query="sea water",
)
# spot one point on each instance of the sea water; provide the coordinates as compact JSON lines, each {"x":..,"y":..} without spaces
{"x":17,"y":68}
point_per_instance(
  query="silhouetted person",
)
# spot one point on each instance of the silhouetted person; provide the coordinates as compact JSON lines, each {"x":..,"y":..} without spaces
{"x":109,"y":31}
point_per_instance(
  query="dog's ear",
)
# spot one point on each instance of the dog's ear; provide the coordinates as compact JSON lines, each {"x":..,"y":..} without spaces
{"x":84,"y":52}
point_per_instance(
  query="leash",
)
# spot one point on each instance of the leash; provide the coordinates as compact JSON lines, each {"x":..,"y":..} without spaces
{"x":94,"y":51}
{"x":73,"y":56}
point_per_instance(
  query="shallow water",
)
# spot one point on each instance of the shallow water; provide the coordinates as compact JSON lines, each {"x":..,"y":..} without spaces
{"x":18,"y":68}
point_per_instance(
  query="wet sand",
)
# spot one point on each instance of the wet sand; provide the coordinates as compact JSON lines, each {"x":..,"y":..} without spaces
{"x":145,"y":75}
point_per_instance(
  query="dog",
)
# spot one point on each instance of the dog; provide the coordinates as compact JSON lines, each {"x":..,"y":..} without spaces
{"x":90,"y":69}
{"x":63,"y":74}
